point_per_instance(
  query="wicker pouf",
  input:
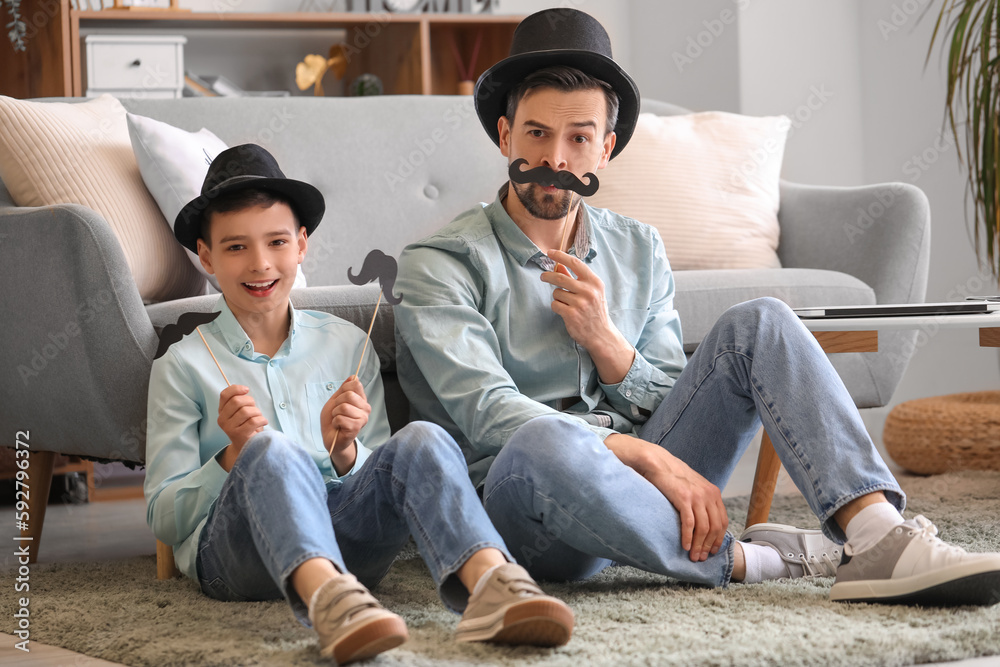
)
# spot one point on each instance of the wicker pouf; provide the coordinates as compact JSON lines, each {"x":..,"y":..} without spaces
{"x":945,"y":433}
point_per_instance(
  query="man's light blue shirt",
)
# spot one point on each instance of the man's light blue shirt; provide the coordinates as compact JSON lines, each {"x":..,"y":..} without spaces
{"x":480,"y":351}
{"x":183,"y":477}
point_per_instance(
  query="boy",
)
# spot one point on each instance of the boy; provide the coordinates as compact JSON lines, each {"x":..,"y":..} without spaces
{"x":287,"y":483}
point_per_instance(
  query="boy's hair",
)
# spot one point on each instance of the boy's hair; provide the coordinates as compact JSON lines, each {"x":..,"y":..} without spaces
{"x":565,"y":79}
{"x":242,"y":200}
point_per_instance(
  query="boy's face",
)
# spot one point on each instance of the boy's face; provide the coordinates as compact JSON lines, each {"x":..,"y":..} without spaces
{"x":562,"y":131}
{"x":254,"y":255}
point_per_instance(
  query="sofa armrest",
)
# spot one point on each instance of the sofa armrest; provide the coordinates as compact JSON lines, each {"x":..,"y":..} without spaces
{"x":77,"y":342}
{"x":879,"y":234}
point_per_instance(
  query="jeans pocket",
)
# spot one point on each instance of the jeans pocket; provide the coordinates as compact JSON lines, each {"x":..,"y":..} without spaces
{"x":217,"y":589}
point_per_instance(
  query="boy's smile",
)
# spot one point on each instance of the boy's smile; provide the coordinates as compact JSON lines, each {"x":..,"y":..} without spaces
{"x":254,"y":255}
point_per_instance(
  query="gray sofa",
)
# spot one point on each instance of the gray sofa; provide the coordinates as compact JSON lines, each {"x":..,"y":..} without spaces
{"x":392,"y":169}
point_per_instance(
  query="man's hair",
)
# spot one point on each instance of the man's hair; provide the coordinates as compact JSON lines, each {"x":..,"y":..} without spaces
{"x":241,"y":200}
{"x":565,"y":79}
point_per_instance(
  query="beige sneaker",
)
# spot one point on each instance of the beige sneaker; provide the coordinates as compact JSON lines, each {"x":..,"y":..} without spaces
{"x":512,"y":609}
{"x":351,"y":624}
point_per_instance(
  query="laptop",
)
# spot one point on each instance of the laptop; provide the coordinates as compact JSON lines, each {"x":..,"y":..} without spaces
{"x":900,"y":309}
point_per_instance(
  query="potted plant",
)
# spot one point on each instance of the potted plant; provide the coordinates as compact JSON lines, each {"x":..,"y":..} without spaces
{"x":962,"y":431}
{"x":970,"y":32}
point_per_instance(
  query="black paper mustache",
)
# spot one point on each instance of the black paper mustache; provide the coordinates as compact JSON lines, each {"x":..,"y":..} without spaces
{"x":186,"y":323}
{"x":565,"y":180}
{"x":381,"y":266}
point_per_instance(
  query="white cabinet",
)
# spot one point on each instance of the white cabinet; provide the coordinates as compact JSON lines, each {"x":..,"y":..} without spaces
{"x":135,"y":65}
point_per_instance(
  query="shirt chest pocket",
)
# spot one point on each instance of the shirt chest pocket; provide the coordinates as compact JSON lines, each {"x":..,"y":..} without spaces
{"x":317,"y":395}
{"x":630,"y":322}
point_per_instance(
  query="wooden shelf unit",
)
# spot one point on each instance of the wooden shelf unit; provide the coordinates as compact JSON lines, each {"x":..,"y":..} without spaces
{"x":411,"y":53}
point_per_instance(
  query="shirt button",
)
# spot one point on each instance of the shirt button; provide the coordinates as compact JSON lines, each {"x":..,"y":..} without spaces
{"x":628,"y":392}
{"x":282,"y":405}
{"x":329,"y":386}
{"x":247,"y":346}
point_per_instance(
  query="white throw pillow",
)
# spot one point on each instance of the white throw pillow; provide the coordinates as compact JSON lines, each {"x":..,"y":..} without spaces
{"x":707,"y":181}
{"x":78,"y":153}
{"x":173,"y":163}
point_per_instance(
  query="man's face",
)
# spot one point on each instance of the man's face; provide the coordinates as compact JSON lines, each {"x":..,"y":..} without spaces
{"x":562,"y":131}
{"x":254,"y":256}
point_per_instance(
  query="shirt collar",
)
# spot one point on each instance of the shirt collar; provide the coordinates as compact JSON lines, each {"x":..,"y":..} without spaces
{"x":522,"y":248}
{"x":236,"y":338}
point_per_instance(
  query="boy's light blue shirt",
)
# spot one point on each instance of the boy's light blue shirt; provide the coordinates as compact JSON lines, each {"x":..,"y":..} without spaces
{"x":480,"y":351}
{"x":183,"y":477}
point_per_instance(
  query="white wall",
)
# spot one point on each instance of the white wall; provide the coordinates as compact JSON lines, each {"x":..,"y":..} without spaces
{"x":801,"y":58}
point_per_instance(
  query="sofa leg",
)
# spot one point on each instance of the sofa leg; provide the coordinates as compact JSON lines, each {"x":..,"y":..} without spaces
{"x":39,"y":483}
{"x":764,"y":481}
{"x":165,"y":568}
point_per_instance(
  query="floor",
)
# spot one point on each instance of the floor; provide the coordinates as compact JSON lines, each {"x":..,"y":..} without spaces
{"x":117,"y":529}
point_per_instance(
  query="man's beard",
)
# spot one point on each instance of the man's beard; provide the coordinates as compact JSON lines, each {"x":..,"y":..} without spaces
{"x":543,"y":205}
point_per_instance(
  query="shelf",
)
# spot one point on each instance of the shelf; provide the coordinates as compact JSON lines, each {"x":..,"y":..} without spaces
{"x":411,"y":53}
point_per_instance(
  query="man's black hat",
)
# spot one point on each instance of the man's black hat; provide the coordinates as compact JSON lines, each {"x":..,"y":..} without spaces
{"x":560,"y":36}
{"x":242,"y":168}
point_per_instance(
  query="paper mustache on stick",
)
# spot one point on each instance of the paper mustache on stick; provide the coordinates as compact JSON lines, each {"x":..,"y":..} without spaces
{"x":565,"y":180}
{"x":382,"y":267}
{"x":187,"y":323}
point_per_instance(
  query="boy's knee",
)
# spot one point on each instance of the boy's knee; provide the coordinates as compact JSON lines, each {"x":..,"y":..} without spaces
{"x":423,"y":440}
{"x":271,"y":446}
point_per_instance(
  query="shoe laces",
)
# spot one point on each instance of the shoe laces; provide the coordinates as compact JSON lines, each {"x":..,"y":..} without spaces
{"x":520,"y":586}
{"x":927,"y":532}
{"x":819,"y":565}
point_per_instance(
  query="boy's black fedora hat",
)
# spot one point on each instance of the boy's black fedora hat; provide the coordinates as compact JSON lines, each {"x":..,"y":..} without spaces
{"x":241,"y":168}
{"x":560,"y":36}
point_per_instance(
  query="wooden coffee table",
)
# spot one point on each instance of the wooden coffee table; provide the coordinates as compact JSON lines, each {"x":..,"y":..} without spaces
{"x":857,"y":334}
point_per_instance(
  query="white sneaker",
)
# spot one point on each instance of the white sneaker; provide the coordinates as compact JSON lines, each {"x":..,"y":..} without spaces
{"x":807,"y":553}
{"x":912,"y":566}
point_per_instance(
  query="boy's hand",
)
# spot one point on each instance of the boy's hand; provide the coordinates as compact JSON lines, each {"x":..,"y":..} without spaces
{"x":341,"y":419}
{"x":239,"y":418}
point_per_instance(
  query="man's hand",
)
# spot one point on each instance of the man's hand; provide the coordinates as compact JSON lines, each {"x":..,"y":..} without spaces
{"x":239,"y":418}
{"x":343,"y":416}
{"x":581,"y":303}
{"x":699,"y":502}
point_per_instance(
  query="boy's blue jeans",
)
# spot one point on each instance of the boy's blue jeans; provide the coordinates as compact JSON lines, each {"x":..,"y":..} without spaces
{"x":567,"y":507}
{"x":274,"y":512}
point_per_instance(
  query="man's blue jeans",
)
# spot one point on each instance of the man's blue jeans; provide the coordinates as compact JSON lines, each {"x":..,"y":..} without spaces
{"x":567,"y":507}
{"x":274,"y":512}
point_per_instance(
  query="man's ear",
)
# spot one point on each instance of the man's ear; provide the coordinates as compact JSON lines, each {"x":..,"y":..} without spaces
{"x":609,"y":145}
{"x":503,"y":128}
{"x":205,"y":255}
{"x":303,"y":242}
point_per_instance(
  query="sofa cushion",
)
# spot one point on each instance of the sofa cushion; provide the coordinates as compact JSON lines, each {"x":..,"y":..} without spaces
{"x":173,"y":163}
{"x":708,"y":182}
{"x":702,"y":296}
{"x":58,"y":153}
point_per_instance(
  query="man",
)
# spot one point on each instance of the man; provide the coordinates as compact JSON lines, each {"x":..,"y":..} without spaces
{"x":591,"y":439}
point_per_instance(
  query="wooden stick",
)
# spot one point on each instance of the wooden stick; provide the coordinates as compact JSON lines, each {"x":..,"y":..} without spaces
{"x":566,"y":226}
{"x":228,"y":383}
{"x":360,"y":361}
{"x":369,"y":336}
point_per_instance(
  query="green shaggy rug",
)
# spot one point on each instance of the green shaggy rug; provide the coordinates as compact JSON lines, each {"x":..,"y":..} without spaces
{"x":118,"y":611}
